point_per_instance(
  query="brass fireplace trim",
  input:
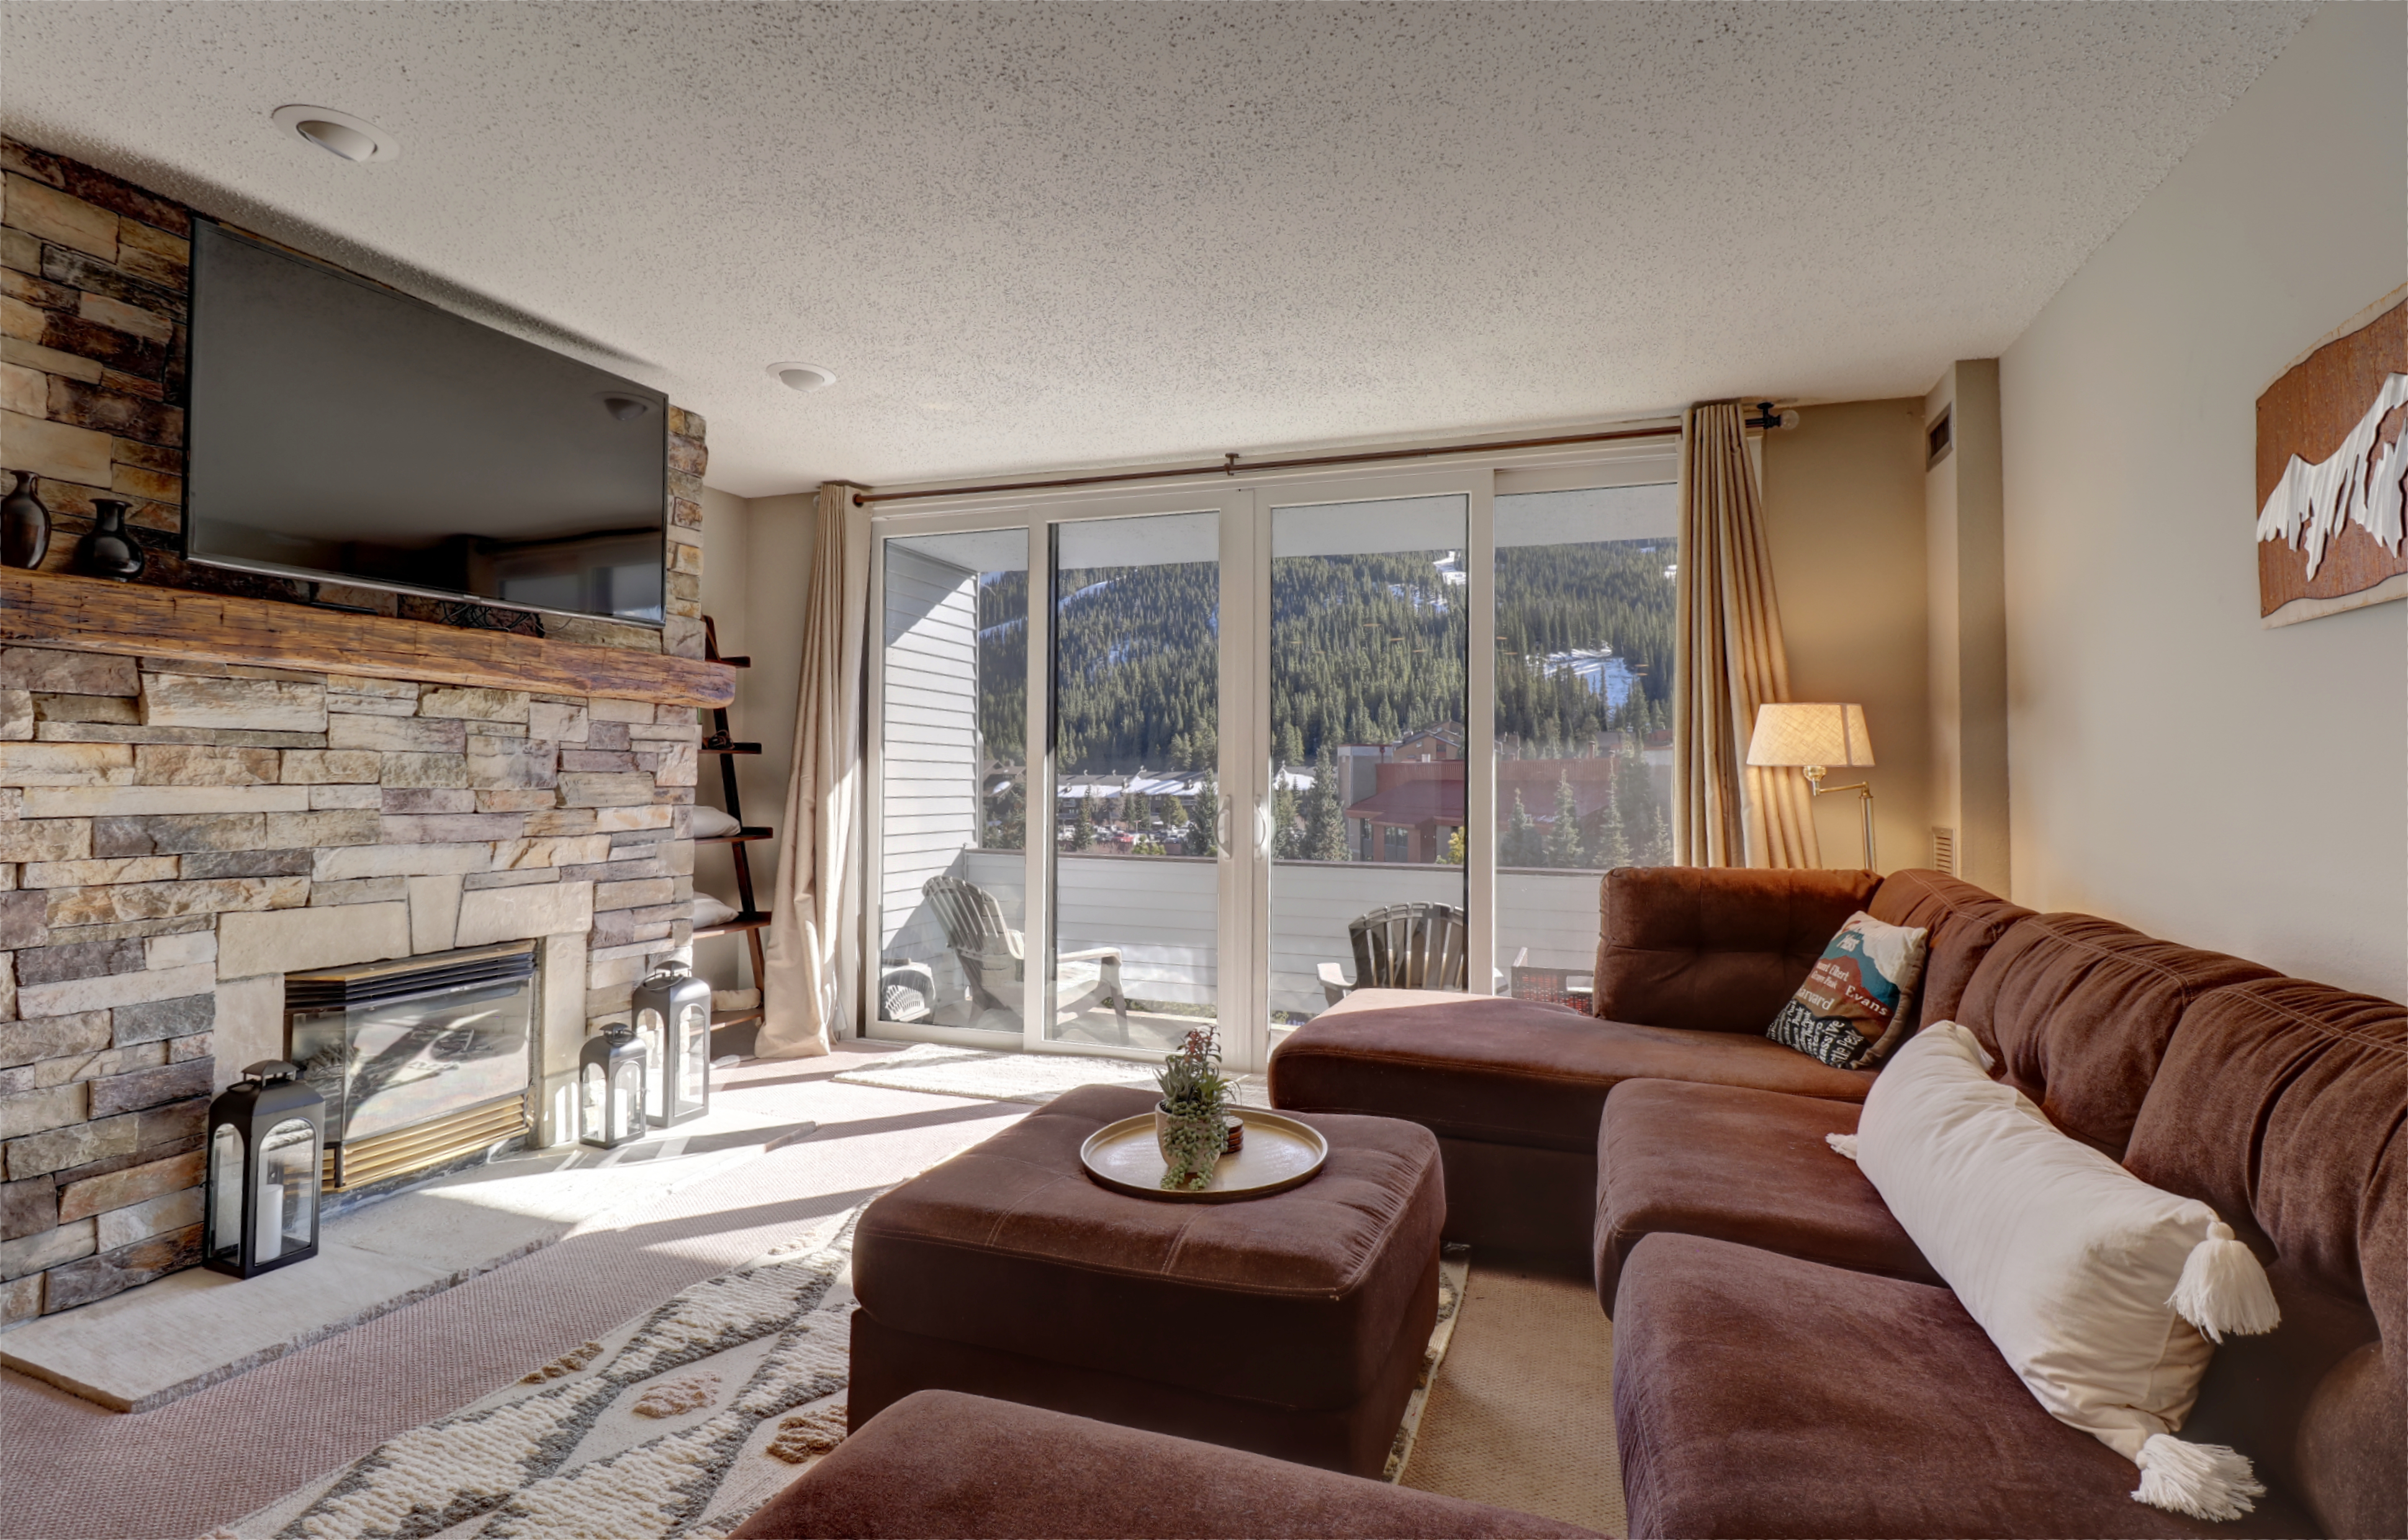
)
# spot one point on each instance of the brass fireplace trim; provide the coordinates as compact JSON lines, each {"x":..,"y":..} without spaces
{"x":360,"y":1162}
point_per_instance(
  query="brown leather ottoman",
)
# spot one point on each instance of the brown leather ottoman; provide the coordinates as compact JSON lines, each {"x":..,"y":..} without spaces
{"x":1293,"y":1325}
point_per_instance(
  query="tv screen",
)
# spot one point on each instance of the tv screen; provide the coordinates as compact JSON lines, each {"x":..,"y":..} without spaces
{"x":344,"y":433}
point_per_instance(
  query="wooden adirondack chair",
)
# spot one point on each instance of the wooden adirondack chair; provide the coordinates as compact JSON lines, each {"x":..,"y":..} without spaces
{"x":993,"y":956}
{"x":1402,"y":947}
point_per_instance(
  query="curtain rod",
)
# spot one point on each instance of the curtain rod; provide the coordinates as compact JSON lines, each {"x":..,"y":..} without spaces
{"x":1230,"y":466}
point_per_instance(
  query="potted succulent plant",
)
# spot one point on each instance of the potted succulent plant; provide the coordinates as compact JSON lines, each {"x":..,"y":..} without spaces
{"x":1189,"y":1121}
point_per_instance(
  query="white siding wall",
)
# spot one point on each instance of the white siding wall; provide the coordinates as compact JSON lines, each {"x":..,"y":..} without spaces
{"x":931,"y":753}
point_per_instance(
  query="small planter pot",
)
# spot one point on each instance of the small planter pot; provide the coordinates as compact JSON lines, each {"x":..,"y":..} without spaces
{"x":1163,"y":1120}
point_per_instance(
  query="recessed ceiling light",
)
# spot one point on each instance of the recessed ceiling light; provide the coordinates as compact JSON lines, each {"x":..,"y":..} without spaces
{"x":805,"y":378}
{"x":337,"y":134}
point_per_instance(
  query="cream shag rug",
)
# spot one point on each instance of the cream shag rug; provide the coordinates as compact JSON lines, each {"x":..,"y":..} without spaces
{"x":675,"y":1426}
{"x":938,"y":1069}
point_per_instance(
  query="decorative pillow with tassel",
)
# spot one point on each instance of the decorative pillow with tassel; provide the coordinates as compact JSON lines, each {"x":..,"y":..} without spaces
{"x":2105,"y":1295}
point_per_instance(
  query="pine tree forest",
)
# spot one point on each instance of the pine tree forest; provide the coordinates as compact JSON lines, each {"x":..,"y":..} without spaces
{"x":1365,"y":649}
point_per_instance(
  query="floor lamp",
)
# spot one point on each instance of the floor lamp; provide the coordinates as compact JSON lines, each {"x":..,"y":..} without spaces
{"x":1814,"y":736}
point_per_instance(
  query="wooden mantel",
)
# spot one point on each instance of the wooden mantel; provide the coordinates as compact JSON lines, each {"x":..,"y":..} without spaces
{"x":93,"y":614}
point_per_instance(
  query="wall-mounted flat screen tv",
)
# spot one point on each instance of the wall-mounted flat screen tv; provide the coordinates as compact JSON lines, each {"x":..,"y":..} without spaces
{"x":346,"y":434}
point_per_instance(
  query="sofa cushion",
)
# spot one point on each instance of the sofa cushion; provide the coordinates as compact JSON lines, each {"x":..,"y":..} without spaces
{"x":1739,"y":1165}
{"x":1758,"y":1394}
{"x":2283,"y":1104}
{"x":1965,"y":922}
{"x":2077,"y":1010}
{"x":939,"y":1464}
{"x":1714,"y":949}
{"x":1514,"y":1072}
{"x":1010,"y":1245}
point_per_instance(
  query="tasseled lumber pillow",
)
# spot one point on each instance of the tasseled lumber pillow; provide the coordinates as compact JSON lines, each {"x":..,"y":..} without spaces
{"x":2105,"y":1294}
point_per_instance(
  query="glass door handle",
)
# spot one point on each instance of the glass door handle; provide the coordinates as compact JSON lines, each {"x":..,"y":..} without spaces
{"x":1220,"y":828}
{"x":1263,"y":828}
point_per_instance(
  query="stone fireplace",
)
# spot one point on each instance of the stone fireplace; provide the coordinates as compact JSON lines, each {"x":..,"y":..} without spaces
{"x":204,"y":793}
{"x":181,"y":844}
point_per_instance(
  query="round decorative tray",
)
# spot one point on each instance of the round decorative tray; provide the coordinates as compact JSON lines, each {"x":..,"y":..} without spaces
{"x":1276,"y":1153}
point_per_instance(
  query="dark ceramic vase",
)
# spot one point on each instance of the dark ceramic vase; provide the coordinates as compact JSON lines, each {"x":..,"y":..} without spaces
{"x":24,"y":525}
{"x":110,"y":551}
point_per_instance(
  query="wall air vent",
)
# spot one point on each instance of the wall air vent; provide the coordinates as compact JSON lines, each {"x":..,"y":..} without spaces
{"x":1940,"y":438}
{"x":1943,"y":850}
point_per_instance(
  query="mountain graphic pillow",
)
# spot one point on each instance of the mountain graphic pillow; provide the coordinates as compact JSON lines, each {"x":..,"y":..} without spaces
{"x":1851,"y":1011}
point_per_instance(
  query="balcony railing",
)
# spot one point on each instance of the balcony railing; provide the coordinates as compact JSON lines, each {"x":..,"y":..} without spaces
{"x":1161,"y":912}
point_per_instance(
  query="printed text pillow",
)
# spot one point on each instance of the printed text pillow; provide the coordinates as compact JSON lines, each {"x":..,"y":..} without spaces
{"x":1851,"y":1011}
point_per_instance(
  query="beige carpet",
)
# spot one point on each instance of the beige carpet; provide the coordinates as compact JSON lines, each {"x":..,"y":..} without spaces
{"x":1522,"y":1415}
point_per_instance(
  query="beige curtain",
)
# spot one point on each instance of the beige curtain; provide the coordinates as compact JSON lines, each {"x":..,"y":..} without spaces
{"x":1729,"y":660}
{"x":810,"y":993}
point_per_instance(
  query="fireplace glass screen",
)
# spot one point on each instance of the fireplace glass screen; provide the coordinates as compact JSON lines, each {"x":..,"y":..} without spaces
{"x":395,"y":1046}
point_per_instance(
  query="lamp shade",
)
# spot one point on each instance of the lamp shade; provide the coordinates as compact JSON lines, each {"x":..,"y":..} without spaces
{"x":1811,"y":732}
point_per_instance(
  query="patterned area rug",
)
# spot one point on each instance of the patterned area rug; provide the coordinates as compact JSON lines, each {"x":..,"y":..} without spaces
{"x":679,"y":1423}
{"x":677,"y":1426}
{"x":941,"y":1070}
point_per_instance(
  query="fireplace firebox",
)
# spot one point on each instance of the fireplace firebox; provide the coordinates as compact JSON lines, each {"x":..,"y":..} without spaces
{"x":421,"y":1062}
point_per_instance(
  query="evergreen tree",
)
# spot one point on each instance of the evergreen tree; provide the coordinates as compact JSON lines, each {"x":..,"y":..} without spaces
{"x":1137,"y":809}
{"x":1522,"y":845}
{"x":1325,"y":809}
{"x":1287,"y":835}
{"x":1008,"y":817}
{"x":1609,"y":844}
{"x":1563,"y":842}
{"x":1083,"y":832}
{"x":1203,"y":828}
{"x":1291,"y":745}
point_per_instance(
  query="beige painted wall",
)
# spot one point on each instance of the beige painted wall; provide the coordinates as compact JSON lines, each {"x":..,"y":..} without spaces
{"x":756,"y":567}
{"x":1964,"y":534}
{"x":1843,"y":510}
{"x":2175,"y":765}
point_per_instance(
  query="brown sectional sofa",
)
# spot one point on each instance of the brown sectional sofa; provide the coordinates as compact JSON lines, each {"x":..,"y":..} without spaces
{"x":1787,"y":1364}
{"x":941,"y":1464}
{"x":1692,"y":965}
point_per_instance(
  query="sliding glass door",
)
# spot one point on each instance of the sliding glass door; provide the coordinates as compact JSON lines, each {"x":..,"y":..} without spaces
{"x":1144,"y":765}
{"x":1135,"y":698}
{"x":1366,"y":734}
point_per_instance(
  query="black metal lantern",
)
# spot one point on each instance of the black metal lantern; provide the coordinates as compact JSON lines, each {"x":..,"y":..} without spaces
{"x":673,"y":1019}
{"x":611,"y":1087}
{"x":266,"y":1137}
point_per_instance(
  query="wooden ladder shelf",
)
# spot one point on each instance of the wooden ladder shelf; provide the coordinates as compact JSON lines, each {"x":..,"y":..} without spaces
{"x":749,"y":920}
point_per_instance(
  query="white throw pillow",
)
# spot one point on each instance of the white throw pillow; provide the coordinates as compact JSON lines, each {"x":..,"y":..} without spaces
{"x":2100,"y":1291}
{"x":710,"y":823}
{"x":711,"y":911}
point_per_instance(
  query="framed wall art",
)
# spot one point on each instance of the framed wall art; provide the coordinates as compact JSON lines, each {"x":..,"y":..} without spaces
{"x":2330,"y":467}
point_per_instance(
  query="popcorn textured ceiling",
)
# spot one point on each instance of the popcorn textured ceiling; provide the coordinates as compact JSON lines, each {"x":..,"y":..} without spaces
{"x":1038,"y":236}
